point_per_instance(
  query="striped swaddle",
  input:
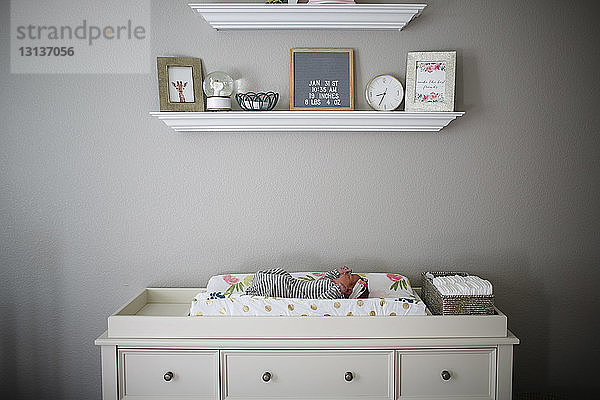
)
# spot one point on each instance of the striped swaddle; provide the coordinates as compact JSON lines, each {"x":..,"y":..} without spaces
{"x":277,"y":282}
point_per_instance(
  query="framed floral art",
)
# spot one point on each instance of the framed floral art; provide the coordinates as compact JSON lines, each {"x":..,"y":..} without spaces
{"x":430,"y":81}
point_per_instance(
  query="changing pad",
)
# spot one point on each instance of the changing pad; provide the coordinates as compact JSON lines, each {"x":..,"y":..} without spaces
{"x":217,"y":304}
{"x":381,"y":285}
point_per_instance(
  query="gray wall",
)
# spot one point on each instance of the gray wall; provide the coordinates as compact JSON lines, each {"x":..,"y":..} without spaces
{"x":98,"y":200}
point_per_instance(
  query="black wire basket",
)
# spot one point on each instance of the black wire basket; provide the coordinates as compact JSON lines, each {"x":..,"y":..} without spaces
{"x":262,"y":101}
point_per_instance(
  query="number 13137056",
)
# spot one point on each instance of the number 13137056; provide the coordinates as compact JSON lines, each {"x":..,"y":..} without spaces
{"x":46,"y":51}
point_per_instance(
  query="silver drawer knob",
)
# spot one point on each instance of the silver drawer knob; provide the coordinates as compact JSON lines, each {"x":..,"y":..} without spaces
{"x":266,"y":377}
{"x":446,"y":375}
{"x":348,"y":376}
{"x":168,"y":376}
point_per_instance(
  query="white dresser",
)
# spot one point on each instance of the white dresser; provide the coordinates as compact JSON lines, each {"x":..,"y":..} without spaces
{"x":142,"y":360}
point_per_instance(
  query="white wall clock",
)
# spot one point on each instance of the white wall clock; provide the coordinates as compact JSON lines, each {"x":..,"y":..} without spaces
{"x":384,"y":93}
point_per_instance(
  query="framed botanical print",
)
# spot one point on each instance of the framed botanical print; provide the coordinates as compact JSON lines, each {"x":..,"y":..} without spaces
{"x":430,"y":81}
{"x":180,"y":84}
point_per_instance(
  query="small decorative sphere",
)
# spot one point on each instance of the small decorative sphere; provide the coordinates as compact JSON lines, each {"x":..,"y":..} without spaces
{"x":218,"y":84}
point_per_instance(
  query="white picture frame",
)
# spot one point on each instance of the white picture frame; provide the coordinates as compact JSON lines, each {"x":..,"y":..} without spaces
{"x":430,"y":81}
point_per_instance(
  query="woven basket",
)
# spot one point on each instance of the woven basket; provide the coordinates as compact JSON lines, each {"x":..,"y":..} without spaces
{"x":454,"y":304}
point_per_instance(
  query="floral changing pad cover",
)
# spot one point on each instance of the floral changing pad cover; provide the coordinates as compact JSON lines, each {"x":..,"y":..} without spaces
{"x":389,"y":295}
{"x":381,"y":285}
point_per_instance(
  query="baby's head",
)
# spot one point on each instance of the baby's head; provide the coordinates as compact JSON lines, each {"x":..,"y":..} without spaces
{"x":353,"y":286}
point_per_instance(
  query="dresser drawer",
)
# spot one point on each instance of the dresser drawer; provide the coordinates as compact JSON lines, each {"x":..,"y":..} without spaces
{"x":168,"y":374}
{"x":444,"y":374}
{"x":320,"y":374}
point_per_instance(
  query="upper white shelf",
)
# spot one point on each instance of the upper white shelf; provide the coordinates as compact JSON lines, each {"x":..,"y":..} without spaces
{"x":306,"y":121}
{"x":223,"y":16}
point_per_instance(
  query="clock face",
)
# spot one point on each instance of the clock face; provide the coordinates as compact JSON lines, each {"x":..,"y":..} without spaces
{"x":384,"y":93}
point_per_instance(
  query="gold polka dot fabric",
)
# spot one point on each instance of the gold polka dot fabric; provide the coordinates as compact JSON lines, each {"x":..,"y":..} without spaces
{"x":242,"y":304}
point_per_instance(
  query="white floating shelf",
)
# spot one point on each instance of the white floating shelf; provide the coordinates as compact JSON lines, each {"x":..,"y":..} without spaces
{"x":306,"y":121}
{"x":223,"y":16}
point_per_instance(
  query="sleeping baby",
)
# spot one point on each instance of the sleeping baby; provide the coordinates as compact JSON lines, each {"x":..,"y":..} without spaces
{"x":336,"y":284}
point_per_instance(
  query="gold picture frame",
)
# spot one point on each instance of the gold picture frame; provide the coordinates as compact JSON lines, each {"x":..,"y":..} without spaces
{"x":180,"y":84}
{"x":349,"y":70}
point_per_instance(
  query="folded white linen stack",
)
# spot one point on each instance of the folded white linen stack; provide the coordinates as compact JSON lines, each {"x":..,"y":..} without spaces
{"x":462,"y":285}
